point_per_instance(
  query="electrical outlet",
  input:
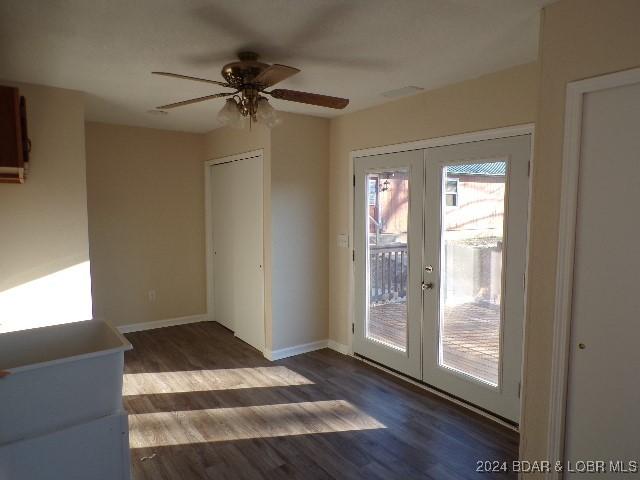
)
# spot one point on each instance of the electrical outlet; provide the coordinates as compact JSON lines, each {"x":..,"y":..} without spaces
{"x":152,"y":295}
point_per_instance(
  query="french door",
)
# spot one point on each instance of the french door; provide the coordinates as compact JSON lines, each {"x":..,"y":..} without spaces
{"x":388,"y":257}
{"x":440,"y":242}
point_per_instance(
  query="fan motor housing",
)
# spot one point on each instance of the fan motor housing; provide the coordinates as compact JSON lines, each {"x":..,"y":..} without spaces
{"x":244,"y":70}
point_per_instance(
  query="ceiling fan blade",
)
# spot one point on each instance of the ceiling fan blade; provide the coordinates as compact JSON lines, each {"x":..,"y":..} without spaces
{"x":186,"y":77}
{"x":275,"y":74}
{"x":194,"y":100}
{"x":309,"y":98}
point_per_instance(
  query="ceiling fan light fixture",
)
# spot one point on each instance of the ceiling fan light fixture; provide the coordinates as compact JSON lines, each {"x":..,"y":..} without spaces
{"x":266,"y":114}
{"x":250,"y":79}
{"x":229,"y":115}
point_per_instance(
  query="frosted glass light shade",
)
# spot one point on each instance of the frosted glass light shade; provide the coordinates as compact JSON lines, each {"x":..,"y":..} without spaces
{"x":266,"y":114}
{"x":229,"y":115}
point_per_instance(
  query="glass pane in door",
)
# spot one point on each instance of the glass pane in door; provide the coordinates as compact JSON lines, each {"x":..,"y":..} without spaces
{"x":473,"y":206}
{"x":387,"y":251}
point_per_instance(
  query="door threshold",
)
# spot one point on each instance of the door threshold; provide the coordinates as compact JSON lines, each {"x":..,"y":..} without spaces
{"x":442,"y":394}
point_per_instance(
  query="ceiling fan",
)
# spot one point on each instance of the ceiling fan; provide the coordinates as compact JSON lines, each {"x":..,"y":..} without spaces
{"x":250,"y":78}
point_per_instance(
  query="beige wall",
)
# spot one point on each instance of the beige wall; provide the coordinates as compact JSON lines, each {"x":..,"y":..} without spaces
{"x":146,"y":222}
{"x":580,"y":38}
{"x":500,"y":99}
{"x":43,"y":223}
{"x":299,"y":209}
{"x":226,"y":141}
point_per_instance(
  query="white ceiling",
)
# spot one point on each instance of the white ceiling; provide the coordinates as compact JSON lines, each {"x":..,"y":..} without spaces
{"x":356,"y":49}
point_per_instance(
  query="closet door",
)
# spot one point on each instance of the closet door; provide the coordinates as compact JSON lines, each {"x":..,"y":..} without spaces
{"x":238,"y":274}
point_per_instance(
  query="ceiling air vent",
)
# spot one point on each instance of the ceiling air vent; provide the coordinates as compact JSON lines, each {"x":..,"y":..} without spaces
{"x":402,"y":92}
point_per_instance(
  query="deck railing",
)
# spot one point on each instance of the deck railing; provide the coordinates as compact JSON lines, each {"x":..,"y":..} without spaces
{"x":472,"y":273}
{"x":388,"y":269}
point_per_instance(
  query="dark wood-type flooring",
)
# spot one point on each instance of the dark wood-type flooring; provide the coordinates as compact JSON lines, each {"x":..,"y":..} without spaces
{"x":204,"y":405}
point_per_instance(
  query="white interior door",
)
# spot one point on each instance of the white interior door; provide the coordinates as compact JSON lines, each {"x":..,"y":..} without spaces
{"x":603,"y":393}
{"x":237,"y":225}
{"x":475,"y":255}
{"x":388,"y":252}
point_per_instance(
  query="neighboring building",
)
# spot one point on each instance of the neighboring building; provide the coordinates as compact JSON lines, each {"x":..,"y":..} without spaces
{"x":472,"y":238}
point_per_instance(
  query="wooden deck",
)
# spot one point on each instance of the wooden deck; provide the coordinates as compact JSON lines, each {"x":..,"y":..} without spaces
{"x":204,"y":405}
{"x":471,"y":335}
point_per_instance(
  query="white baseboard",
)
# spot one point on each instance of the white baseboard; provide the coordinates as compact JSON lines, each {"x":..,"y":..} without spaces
{"x":338,"y":347}
{"x":295,"y":350}
{"x":169,"y":322}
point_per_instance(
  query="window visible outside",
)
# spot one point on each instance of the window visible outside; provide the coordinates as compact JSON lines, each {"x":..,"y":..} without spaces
{"x":451,"y":192}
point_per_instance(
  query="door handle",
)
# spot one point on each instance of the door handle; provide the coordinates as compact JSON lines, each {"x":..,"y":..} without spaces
{"x":427,"y":286}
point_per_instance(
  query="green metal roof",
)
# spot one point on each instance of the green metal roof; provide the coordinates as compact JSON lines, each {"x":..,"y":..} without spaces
{"x":495,"y":168}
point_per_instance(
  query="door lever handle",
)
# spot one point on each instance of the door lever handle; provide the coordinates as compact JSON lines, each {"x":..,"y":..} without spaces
{"x":427,"y":286}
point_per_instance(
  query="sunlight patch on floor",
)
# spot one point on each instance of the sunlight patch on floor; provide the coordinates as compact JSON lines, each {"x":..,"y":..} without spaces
{"x":241,"y":423}
{"x":204,"y":380}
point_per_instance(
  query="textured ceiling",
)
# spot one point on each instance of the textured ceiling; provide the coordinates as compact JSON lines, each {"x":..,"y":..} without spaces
{"x":356,"y":49}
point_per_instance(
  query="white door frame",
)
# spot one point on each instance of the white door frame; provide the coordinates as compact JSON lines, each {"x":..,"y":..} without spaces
{"x":566,"y":245}
{"x":208,"y":231}
{"x":504,"y":132}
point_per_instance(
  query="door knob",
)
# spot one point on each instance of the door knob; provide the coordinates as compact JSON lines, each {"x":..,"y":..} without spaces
{"x":427,"y":286}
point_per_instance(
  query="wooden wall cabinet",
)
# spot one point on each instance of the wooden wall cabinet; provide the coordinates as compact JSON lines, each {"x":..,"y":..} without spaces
{"x":14,"y":142}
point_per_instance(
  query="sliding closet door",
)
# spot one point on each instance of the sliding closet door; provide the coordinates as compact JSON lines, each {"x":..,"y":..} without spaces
{"x":237,"y":221}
